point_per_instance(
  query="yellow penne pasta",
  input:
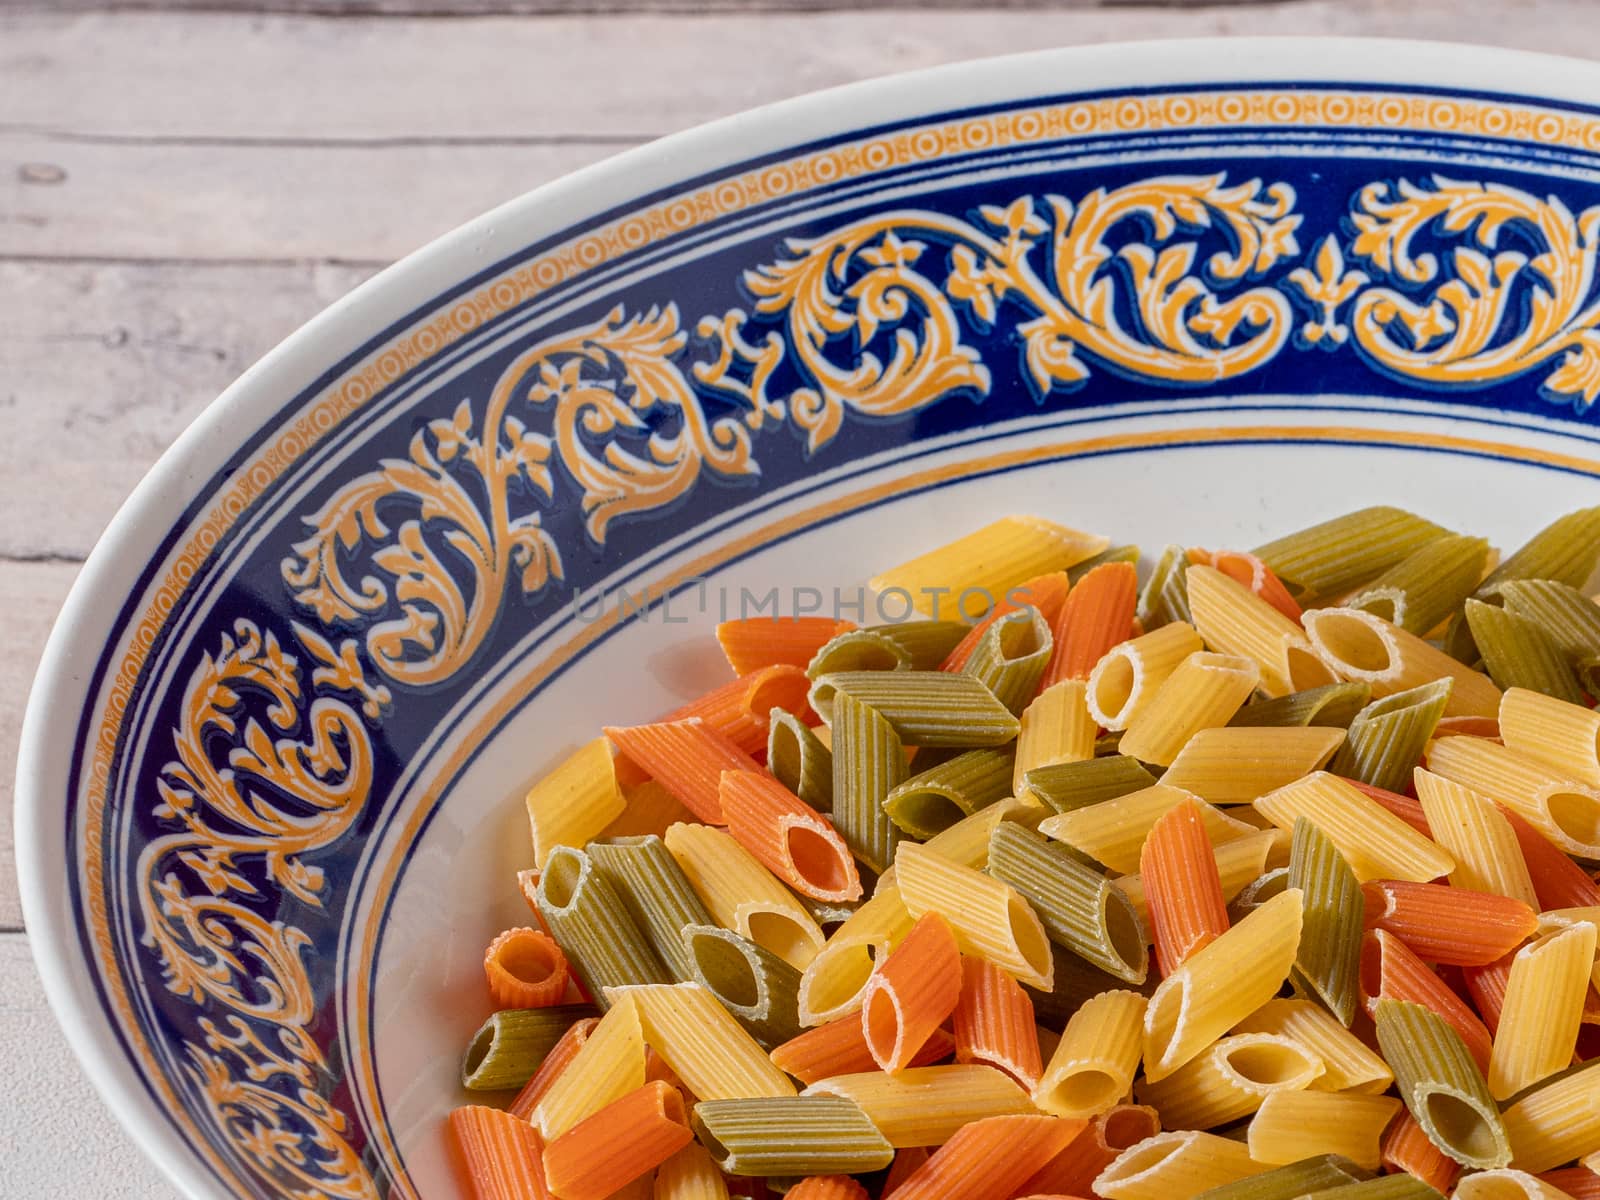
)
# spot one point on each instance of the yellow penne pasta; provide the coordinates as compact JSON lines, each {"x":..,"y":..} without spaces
{"x":1542,"y":1010}
{"x":1348,"y":1063}
{"x":744,"y":896}
{"x":1093,"y":1065}
{"x":1235,"y":765}
{"x":1553,"y":920}
{"x":966,"y":843}
{"x":924,"y":1106}
{"x":1055,"y":728}
{"x":1564,"y":737}
{"x":1507,"y":1184}
{"x":702,"y":1043}
{"x":1176,"y":1166}
{"x":831,"y":986}
{"x":1113,"y":831}
{"x":689,"y":1175}
{"x":1564,"y":810}
{"x":575,"y":802}
{"x":1376,"y":843}
{"x":989,"y":918}
{"x":1203,"y":693}
{"x":1221,"y":984}
{"x":1474,"y":831}
{"x":1230,"y":1079}
{"x":1127,"y":676}
{"x":608,"y":1066}
{"x":1290,"y":1126}
{"x":1239,"y":862}
{"x":1234,"y":620}
{"x":1364,"y":647}
{"x":1556,"y":1122}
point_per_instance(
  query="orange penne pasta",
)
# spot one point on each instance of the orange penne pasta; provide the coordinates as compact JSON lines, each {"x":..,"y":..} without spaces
{"x":1404,"y":807}
{"x":1250,"y":572}
{"x":1390,"y":971}
{"x":905,"y":1164}
{"x":1182,"y":889}
{"x":912,"y":993}
{"x":1557,"y":880}
{"x":557,"y":1061}
{"x":1073,"y":1171}
{"x":648,"y":807}
{"x":738,"y":710}
{"x":788,"y":837}
{"x":500,"y":1154}
{"x":989,"y":1159}
{"x":525,"y":969}
{"x":1407,"y":1147}
{"x":628,"y":1137}
{"x":994,"y":1023}
{"x":528,"y":885}
{"x":827,"y":1187}
{"x":1487,"y":987}
{"x":1578,"y":1182}
{"x":687,"y":758}
{"x":1046,"y":593}
{"x":1445,"y":924}
{"x":840,"y":1048}
{"x":1097,"y":616}
{"x":1484,"y":727}
{"x":758,"y":642}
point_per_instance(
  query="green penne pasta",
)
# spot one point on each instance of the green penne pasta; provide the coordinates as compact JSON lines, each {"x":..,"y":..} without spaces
{"x":1338,"y":556}
{"x":1385,"y":1187}
{"x":1081,"y":909}
{"x":859,"y":650}
{"x":592,"y":924}
{"x":799,"y":760}
{"x":658,"y":894}
{"x":926,"y":708}
{"x":790,"y":1135}
{"x":1116,"y":554}
{"x":510,"y":1046}
{"x":1386,"y":740}
{"x":926,"y":643}
{"x":1011,"y":656}
{"x":1165,"y":595}
{"x":832,"y":912}
{"x":869,"y":761}
{"x":1441,"y":1085}
{"x":1329,"y":958}
{"x":1075,"y":983}
{"x":1108,"y":744}
{"x":750,"y":981}
{"x":1068,"y":786}
{"x":1565,"y":551}
{"x":1426,"y":587}
{"x":1518,"y":653}
{"x":1304,"y":1178}
{"x":1333,"y":705}
{"x":934,"y":799}
{"x":1562,"y":611}
{"x":1257,"y":892}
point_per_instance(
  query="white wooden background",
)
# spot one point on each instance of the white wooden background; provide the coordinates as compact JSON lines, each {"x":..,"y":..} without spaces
{"x":183,"y":182}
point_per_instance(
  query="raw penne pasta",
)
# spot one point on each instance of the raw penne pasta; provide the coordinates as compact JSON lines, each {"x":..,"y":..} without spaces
{"x":1474,"y":831}
{"x":1557,"y":880}
{"x":1073,"y":1171}
{"x":1256,"y":893}
{"x":500,"y":1155}
{"x":869,"y":761}
{"x":1113,"y":831}
{"x":554,"y":1065}
{"x":703,"y":1044}
{"x":1183,"y":891}
{"x":988,"y":1159}
{"x":574,"y":802}
{"x":989,"y":918}
{"x":1561,"y":610}
{"x":1176,"y":1166}
{"x":1556,"y":919}
{"x":906,"y":1162}
{"x":1097,"y":615}
{"x":800,"y":760}
{"x":1067,"y":786}
{"x":1250,"y":573}
{"x":1567,"y":550}
{"x":689,"y":1174}
{"x":1386,"y":739}
{"x":1294,"y":1124}
{"x":1446,"y":924}
{"x":1518,"y":654}
{"x":1230,"y":1079}
{"x":755,"y":642}
{"x":525,"y":969}
{"x":1506,"y":1184}
{"x":988,"y":563}
{"x":1128,"y":554}
{"x":1080,"y":909}
{"x":738,"y":710}
{"x":508,"y":1048}
{"x":840,"y":1048}
{"x":966,"y":843}
{"x":1563,"y":810}
{"x":1556,"y":1122}
{"x":788,"y":837}
{"x":649,"y":809}
{"x":744,"y":896}
{"x":1234,"y":621}
{"x":609,"y":1064}
{"x":1565,"y":737}
{"x":1579,"y":1183}
{"x":1010,"y":658}
{"x":1384,"y":1187}
{"x":1441,"y":1085}
{"x":1348,"y":1063}
{"x":933,"y":800}
{"x":1055,"y":728}
{"x":1391,"y":971}
{"x":1339,"y":555}
{"x":1427,"y":586}
{"x":658,"y":894}
{"x":926,"y":644}
{"x":1093,"y":1066}
{"x":833,"y":981}
{"x":877,"y":650}
{"x":632,"y":1135}
{"x":1376,"y":844}
{"x":926,"y":1106}
{"x":993,"y":1023}
{"x":1363,"y":647}
{"x":1234,"y":765}
{"x":925,"y":708}
{"x":1328,"y":962}
{"x":1163,"y":599}
{"x":1486,"y":986}
{"x":1204,"y":692}
{"x":1220,"y":985}
{"x":1126,"y":678}
{"x":687,"y":758}
{"x":1320,"y":1176}
{"x":1407,"y":1147}
{"x":1404,"y":807}
{"x":790,"y":1135}
{"x":1544,"y":999}
{"x":1331,"y":706}
{"x":1239,"y":863}
{"x":1044,"y":594}
{"x":751,"y":982}
{"x":912,"y":993}
{"x":827,"y":1187}
{"x":592,"y":925}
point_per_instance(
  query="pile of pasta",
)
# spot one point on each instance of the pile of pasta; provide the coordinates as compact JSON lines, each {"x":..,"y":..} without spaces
{"x":1270,"y":879}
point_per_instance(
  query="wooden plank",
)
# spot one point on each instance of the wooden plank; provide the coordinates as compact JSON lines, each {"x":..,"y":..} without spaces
{"x":30,"y":596}
{"x":516,"y":78}
{"x":336,"y":201}
{"x":61,"y":1139}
